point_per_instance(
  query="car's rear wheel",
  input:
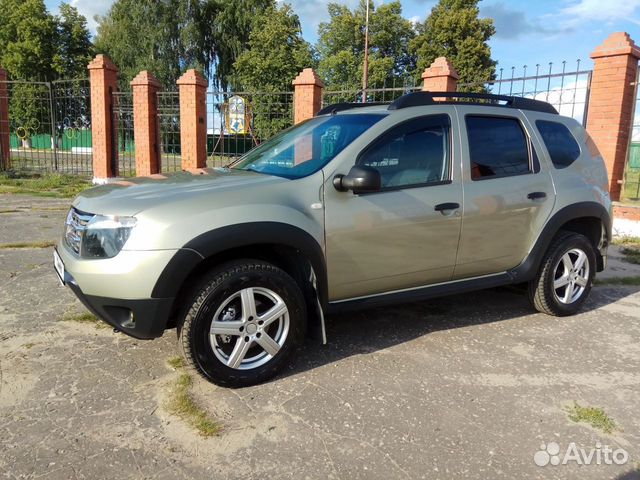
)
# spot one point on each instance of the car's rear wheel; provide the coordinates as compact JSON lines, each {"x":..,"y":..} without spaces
{"x":246,"y":319}
{"x":565,"y":278}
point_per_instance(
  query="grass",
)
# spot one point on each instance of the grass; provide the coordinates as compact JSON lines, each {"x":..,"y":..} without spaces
{"x":176,"y":362}
{"x":594,"y":416}
{"x":85,"y":318}
{"x":627,"y":240}
{"x":182,"y":404}
{"x":43,"y":244}
{"x":628,"y":281}
{"x":631,"y":254}
{"x":45,"y":185}
{"x":631,"y":186}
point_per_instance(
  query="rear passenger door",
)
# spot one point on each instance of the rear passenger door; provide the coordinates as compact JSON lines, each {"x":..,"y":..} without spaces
{"x":508,"y":194}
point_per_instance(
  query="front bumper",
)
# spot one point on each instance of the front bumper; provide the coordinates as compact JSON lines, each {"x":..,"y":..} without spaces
{"x":144,"y":319}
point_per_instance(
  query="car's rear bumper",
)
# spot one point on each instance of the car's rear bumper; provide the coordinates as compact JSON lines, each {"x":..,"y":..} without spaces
{"x":144,"y":319}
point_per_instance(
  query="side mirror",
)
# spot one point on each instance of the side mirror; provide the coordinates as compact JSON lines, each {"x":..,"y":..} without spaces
{"x":361,"y":179}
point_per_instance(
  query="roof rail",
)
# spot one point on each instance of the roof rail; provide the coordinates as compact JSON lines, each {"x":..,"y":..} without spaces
{"x":417,"y":99}
{"x":341,"y":107}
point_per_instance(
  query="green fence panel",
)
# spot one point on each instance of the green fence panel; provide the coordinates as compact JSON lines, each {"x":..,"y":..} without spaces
{"x":634,"y":156}
{"x":76,"y":138}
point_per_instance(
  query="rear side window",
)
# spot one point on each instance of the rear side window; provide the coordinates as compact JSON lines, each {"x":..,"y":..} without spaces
{"x":498,"y":147}
{"x":562,"y":147}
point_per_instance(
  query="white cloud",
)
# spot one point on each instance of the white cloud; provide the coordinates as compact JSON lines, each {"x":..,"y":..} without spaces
{"x":314,"y":12}
{"x":91,"y":8}
{"x":601,"y":11}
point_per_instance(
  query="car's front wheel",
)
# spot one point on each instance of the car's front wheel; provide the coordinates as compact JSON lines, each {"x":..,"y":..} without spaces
{"x":564,"y":280}
{"x":246,"y":319}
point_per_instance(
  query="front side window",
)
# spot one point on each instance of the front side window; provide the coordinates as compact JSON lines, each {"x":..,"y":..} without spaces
{"x":412,"y":154}
{"x":498,"y":147}
{"x":562,"y":147}
{"x":307,"y":147}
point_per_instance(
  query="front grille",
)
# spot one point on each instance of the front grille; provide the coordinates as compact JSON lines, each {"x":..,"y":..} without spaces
{"x":74,"y":228}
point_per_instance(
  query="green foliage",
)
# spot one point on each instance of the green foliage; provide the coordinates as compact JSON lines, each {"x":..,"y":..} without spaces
{"x":144,"y":35}
{"x":453,"y":30}
{"x":75,"y":49}
{"x":594,"y":416}
{"x":27,"y":39}
{"x":631,"y":254}
{"x":167,"y":37}
{"x":341,"y":46}
{"x":225,"y":30}
{"x":37,"y":46}
{"x":276,"y":53}
{"x":47,"y":185}
{"x":182,"y":404}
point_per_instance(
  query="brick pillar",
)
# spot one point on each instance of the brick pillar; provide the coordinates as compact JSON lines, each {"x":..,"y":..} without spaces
{"x":611,"y":100}
{"x":193,"y":120}
{"x":440,"y":77}
{"x":145,"y":123}
{"x":103,"y":75}
{"x":4,"y":121}
{"x":307,"y":98}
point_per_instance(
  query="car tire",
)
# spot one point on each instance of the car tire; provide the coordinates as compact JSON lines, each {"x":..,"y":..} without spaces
{"x":260,"y":319}
{"x":566,"y":275}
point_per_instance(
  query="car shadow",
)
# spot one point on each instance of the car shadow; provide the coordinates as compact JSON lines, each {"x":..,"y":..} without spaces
{"x":367,"y":331}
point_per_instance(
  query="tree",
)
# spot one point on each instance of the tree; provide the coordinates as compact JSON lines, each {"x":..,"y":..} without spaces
{"x":453,"y":30}
{"x":27,"y":39}
{"x":341,"y":46}
{"x":27,"y":48}
{"x":143,"y":35}
{"x":276,"y":53}
{"x":74,"y":46}
{"x":169,"y":36}
{"x":225,"y":29}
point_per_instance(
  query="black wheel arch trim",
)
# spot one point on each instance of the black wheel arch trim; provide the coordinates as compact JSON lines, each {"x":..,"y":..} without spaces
{"x":528,"y":269}
{"x":240,"y":235}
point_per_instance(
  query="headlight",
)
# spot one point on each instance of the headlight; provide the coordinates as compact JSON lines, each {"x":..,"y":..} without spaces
{"x":105,"y":236}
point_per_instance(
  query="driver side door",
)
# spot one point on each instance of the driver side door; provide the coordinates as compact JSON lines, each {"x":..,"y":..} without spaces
{"x":406,"y":234}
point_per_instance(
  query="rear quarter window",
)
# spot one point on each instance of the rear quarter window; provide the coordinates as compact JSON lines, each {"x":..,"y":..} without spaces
{"x":561,"y":145}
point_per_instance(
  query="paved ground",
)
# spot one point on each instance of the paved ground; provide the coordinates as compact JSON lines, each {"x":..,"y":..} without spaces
{"x":463,"y":387}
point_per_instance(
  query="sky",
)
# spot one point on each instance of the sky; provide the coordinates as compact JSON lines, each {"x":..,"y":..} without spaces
{"x":527,"y":32}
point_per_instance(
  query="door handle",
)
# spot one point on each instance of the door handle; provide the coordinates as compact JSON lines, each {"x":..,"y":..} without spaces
{"x":537,"y":195}
{"x":446,"y":206}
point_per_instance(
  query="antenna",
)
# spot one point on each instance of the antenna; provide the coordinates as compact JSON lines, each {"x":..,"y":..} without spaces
{"x":365,"y":73}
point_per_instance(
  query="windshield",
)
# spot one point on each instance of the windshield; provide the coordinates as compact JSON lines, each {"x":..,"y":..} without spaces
{"x":307,"y":147}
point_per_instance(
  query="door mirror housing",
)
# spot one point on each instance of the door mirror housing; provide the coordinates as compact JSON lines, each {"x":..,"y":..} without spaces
{"x":361,"y":179}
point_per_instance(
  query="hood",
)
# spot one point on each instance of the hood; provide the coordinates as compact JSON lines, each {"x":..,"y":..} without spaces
{"x":133,"y":195}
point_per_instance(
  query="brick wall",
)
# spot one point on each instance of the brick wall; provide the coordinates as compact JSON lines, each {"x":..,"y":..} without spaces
{"x":146,"y":125}
{"x":193,"y":120}
{"x":611,"y":102}
{"x":103,"y":76}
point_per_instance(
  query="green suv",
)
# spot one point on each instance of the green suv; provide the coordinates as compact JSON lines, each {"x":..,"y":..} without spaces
{"x":363,"y":205}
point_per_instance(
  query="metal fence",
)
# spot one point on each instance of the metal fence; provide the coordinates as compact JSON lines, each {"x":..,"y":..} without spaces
{"x":169,"y":124}
{"x":631,"y":185}
{"x":124,"y":138}
{"x":239,"y":121}
{"x":566,"y":90}
{"x":389,"y":92}
{"x":50,"y":126}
